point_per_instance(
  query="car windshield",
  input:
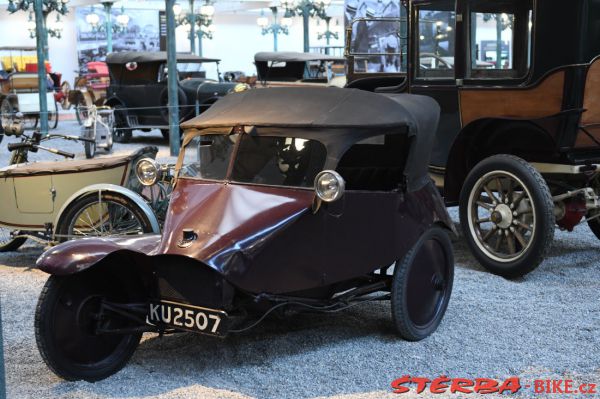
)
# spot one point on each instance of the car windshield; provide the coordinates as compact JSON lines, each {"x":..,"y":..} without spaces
{"x":266,"y":160}
{"x":189,"y":66}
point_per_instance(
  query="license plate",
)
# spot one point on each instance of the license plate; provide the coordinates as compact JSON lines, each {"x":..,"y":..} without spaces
{"x":187,"y":317}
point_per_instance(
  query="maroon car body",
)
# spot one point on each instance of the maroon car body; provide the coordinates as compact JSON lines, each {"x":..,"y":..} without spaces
{"x":255,"y":224}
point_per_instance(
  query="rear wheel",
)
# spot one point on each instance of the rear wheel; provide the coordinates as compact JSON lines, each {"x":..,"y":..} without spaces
{"x":53,"y":116}
{"x":507,"y":215}
{"x":104,"y":214}
{"x":7,"y":242}
{"x":67,"y":319}
{"x":422,"y":285}
{"x":593,"y":218}
{"x":121,"y":132}
{"x":90,"y":149}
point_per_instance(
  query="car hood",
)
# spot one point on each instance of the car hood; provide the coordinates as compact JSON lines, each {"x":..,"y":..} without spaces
{"x":230,"y":224}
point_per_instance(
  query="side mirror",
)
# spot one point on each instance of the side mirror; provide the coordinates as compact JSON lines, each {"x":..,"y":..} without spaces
{"x":329,"y":187}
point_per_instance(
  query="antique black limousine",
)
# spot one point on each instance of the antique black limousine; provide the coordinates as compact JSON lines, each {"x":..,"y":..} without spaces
{"x":518,"y":144}
{"x":138,"y":90}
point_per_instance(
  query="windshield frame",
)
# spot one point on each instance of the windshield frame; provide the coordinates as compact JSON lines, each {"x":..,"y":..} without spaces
{"x":241,"y":131}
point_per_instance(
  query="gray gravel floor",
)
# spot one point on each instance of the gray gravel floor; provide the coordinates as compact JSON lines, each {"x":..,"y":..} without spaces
{"x":546,"y":325}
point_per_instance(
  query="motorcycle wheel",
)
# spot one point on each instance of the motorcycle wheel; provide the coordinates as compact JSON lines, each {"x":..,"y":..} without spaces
{"x":90,"y":149}
{"x":107,"y":214}
{"x":7,"y":243}
{"x":67,"y":319}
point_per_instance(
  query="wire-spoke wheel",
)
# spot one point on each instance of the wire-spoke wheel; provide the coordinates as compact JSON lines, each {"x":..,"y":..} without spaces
{"x":507,"y":215}
{"x":7,"y":242}
{"x":99,"y":214}
{"x":422,"y":285}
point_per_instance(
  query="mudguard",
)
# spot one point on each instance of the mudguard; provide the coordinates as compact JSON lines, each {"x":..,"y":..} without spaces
{"x":134,"y":197}
{"x":77,"y":255}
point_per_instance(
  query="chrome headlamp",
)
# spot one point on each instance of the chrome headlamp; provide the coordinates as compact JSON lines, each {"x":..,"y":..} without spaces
{"x":329,"y":186}
{"x":240,"y":87}
{"x":147,"y":171}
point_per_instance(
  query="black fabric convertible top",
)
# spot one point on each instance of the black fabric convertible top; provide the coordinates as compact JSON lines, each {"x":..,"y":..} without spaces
{"x":336,"y":117}
{"x":155,"y":56}
{"x":291,"y":56}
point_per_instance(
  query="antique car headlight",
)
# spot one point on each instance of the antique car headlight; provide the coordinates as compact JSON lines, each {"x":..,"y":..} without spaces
{"x":240,"y":87}
{"x":146,"y":171}
{"x":329,"y":186}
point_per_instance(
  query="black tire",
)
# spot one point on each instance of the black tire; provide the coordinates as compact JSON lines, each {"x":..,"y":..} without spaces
{"x":65,"y":327}
{"x":8,"y":244}
{"x":165,"y":133}
{"x":135,"y":217}
{"x":521,"y":215}
{"x":53,"y":117}
{"x":90,"y":149}
{"x":121,"y":132}
{"x":594,"y":225}
{"x":184,"y":110}
{"x":422,"y":285}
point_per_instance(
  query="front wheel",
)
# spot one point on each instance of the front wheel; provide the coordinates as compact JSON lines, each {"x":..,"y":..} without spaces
{"x":507,"y":215}
{"x":422,"y":285}
{"x":104,"y":214}
{"x":67,"y":319}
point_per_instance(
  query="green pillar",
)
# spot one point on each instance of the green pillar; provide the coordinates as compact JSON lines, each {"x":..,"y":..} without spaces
{"x":108,"y":25}
{"x":41,"y":38}
{"x":305,"y":24}
{"x":200,"y":42}
{"x":172,"y":80}
{"x":192,"y":19}
{"x":499,"y":41}
{"x":275,"y":28}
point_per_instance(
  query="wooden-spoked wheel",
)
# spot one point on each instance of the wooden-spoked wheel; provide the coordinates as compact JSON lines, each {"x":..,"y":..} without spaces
{"x":506,"y":213}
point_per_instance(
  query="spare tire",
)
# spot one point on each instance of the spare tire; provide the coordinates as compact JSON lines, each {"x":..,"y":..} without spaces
{"x":184,"y":110}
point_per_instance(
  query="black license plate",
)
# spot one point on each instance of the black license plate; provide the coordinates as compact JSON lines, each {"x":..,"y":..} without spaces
{"x":187,"y":317}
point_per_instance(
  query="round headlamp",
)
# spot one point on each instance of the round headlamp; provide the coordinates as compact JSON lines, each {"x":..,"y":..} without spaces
{"x":146,"y":171}
{"x":329,"y":186}
{"x":240,"y":87}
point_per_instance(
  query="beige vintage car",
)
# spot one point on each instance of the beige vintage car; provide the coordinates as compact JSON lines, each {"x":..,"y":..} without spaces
{"x":54,"y":201}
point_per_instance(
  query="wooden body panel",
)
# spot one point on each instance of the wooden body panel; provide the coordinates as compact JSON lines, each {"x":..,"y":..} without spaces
{"x":28,"y":203}
{"x":543,"y":100}
{"x":590,"y":120}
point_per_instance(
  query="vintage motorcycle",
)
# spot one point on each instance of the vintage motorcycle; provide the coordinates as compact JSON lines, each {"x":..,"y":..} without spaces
{"x":97,"y":130}
{"x":51,"y":202}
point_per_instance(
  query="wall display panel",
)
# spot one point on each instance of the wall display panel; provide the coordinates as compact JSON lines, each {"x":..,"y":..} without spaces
{"x":378,"y":34}
{"x":141,"y":34}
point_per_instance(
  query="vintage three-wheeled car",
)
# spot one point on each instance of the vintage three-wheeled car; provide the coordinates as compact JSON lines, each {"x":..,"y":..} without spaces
{"x":518,"y":145}
{"x":138,"y":90}
{"x":287,"y":68}
{"x":286,"y":198}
